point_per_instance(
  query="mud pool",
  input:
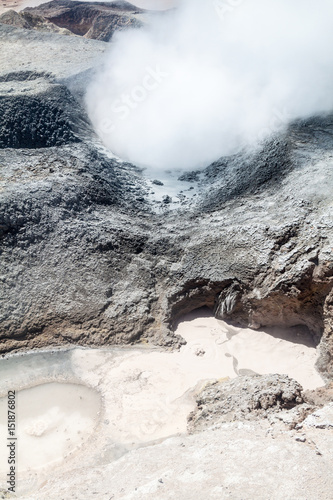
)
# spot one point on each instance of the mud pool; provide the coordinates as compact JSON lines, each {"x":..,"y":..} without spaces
{"x":81,"y":406}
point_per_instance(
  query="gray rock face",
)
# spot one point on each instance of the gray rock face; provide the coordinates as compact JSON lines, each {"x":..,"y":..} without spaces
{"x":34,"y":115}
{"x":244,"y":398}
{"x":87,"y":256}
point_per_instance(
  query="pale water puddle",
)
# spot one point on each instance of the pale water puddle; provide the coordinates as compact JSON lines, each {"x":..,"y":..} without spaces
{"x":90,"y":406}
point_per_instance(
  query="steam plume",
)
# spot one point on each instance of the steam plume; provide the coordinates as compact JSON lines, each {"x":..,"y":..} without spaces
{"x":211,"y":76}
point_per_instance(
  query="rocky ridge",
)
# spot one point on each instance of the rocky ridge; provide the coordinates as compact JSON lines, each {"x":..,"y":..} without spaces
{"x":244,"y":398}
{"x":98,"y":21}
{"x":26,"y":20}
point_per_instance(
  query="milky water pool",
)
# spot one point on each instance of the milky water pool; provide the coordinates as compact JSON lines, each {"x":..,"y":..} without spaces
{"x":90,"y":406}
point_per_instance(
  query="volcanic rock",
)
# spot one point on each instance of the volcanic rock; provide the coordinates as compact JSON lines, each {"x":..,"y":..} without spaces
{"x":30,"y":21}
{"x":97,"y":20}
{"x":244,"y":398}
{"x":87,"y":255}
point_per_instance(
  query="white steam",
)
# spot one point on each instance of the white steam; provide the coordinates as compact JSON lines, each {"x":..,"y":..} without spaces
{"x":212,"y":76}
